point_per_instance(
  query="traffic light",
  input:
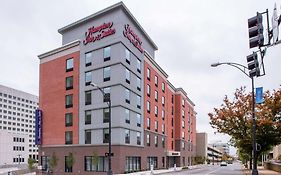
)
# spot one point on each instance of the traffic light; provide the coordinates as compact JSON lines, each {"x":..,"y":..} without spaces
{"x":253,"y":65}
{"x":255,"y":31}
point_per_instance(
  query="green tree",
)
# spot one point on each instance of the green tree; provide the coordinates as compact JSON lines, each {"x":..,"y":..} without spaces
{"x":69,"y":161}
{"x":234,"y":118}
{"x":31,"y":162}
{"x":53,"y":161}
{"x":95,"y":158}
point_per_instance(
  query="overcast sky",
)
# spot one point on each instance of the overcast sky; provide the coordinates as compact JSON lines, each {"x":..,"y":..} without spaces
{"x":190,"y":35}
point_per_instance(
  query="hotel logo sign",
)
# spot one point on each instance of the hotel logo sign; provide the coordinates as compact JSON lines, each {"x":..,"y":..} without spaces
{"x":38,"y":127}
{"x":133,"y":37}
{"x":97,"y":33}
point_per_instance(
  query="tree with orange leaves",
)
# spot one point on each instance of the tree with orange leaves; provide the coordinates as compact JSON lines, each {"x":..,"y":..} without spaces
{"x":234,"y":117}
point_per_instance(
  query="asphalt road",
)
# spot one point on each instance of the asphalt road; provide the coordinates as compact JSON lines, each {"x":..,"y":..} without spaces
{"x":230,"y":169}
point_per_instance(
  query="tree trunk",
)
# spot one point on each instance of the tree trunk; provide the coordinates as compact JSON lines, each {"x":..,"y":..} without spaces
{"x":251,"y":163}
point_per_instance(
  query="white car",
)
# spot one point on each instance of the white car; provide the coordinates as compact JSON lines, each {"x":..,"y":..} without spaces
{"x":223,"y":163}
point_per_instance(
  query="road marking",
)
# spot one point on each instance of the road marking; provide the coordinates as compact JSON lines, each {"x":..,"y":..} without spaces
{"x":211,"y":172}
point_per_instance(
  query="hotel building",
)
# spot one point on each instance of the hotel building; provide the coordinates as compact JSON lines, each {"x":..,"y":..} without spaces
{"x":153,"y":123}
{"x":17,"y":126}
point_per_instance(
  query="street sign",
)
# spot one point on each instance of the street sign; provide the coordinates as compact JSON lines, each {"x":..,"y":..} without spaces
{"x":107,"y":154}
{"x":259,"y":95}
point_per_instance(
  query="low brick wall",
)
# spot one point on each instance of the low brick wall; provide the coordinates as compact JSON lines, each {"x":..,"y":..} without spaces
{"x":273,"y":166}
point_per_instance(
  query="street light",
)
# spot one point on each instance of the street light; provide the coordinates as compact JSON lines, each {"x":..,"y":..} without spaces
{"x":109,"y":172}
{"x":243,"y":69}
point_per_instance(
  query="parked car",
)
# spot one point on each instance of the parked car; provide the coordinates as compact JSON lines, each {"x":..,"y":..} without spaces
{"x":223,"y":163}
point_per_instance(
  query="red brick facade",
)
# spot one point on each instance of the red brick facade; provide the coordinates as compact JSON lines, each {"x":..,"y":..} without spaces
{"x":52,"y":99}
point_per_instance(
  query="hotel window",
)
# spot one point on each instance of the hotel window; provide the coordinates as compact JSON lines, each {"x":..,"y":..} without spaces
{"x":163,"y":101}
{"x":127,"y":96}
{"x":128,"y":56}
{"x":68,"y":137}
{"x":156,"y":80}
{"x":69,"y":101}
{"x":88,"y":78}
{"x":147,"y":140}
{"x":152,"y":161}
{"x":172,"y":99}
{"x":106,"y":54}
{"x":127,"y":136}
{"x":156,"y":110}
{"x":148,"y":90}
{"x":156,"y":126}
{"x":69,"y":64}
{"x":172,"y":134}
{"x":138,"y":65}
{"x":148,"y":123}
{"x":88,"y":117}
{"x":69,"y":83}
{"x":182,"y":102}
{"x":138,"y":102}
{"x":148,"y":73}
{"x":182,"y":145}
{"x":68,"y":119}
{"x":163,"y":141}
{"x":138,"y":120}
{"x":163,"y":115}
{"x":148,"y":106}
{"x":127,"y":116}
{"x":182,"y":135}
{"x":106,"y":97}
{"x":156,"y":95}
{"x":96,"y":166}
{"x":88,"y":136}
{"x":88,"y":59}
{"x":182,"y":124}
{"x":128,"y":76}
{"x":172,"y":111}
{"x":138,"y":138}
{"x":182,"y":113}
{"x":163,"y":87}
{"x":156,"y":141}
{"x":106,"y":74}
{"x":105,"y":135}
{"x":88,"y":97}
{"x":138,"y":84}
{"x":106,"y":115}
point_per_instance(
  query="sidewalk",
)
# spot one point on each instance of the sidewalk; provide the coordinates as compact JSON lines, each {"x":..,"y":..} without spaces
{"x":163,"y":171}
{"x":262,"y":171}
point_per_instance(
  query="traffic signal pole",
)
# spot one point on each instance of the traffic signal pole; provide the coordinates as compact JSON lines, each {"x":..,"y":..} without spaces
{"x":255,"y":170}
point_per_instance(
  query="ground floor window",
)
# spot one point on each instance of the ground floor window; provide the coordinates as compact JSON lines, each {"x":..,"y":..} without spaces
{"x":45,"y":163}
{"x":69,"y":160}
{"x":152,"y":161}
{"x":96,"y":163}
{"x":133,"y":164}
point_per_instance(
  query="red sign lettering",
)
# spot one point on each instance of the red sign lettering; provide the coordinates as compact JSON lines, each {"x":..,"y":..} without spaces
{"x":133,"y":37}
{"x":97,"y":33}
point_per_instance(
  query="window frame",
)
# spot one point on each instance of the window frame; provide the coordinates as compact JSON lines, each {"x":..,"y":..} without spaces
{"x":88,"y":78}
{"x":69,"y":101}
{"x":86,"y":97}
{"x":69,"y":64}
{"x":88,"y":59}
{"x":69,"y":83}
{"x":68,"y":115}
{"x":106,"y":70}
{"x":88,"y":115}
{"x":106,"y":53}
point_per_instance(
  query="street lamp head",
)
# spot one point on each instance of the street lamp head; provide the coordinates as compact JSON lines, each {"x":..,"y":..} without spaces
{"x":215,"y":64}
{"x":94,"y":85}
